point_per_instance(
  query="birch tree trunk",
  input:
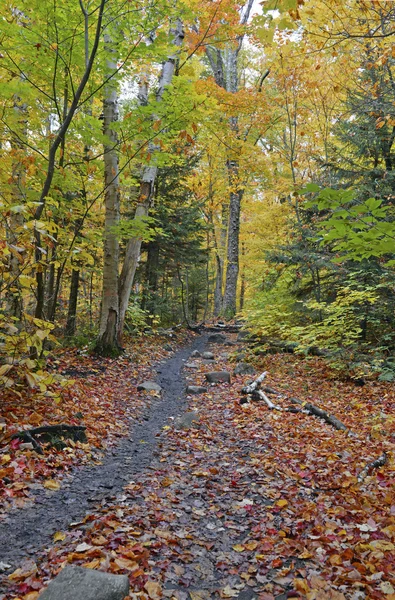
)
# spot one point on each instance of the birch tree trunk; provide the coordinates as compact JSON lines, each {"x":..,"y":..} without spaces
{"x":107,"y":343}
{"x":147,"y":184}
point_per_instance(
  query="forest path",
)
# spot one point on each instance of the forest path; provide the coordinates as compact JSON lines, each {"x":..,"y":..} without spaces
{"x":26,"y":531}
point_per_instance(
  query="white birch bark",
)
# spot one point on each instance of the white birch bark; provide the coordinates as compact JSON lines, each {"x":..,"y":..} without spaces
{"x":147,"y":183}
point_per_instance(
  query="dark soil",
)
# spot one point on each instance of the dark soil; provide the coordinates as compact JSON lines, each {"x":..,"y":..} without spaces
{"x":26,"y":532}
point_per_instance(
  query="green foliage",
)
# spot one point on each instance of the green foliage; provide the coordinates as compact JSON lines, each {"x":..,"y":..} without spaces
{"x":355,"y":229}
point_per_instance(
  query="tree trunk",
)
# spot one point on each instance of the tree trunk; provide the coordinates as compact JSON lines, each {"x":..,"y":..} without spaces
{"x":147,"y":184}
{"x":107,"y":343}
{"x":73,"y":298}
{"x":151,"y":277}
{"x":14,"y":301}
{"x":224,"y":64}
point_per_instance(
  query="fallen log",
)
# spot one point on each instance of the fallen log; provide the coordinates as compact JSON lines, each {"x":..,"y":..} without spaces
{"x":322,"y":414}
{"x":47,"y":433}
{"x":375,"y":464}
{"x":259,"y":395}
{"x":248,"y":389}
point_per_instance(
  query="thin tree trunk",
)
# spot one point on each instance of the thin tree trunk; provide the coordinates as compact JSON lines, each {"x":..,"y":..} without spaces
{"x":14,"y":298}
{"x":107,"y":343}
{"x":147,"y":184}
{"x":73,"y":298}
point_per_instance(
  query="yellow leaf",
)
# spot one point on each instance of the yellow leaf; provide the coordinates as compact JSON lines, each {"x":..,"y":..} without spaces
{"x":282,"y":503}
{"x":93,"y":564}
{"x":239,"y":548}
{"x":153,"y":589}
{"x":126,"y":563}
{"x":59,"y":536}
{"x":301,"y":585}
{"x":383,"y":545}
{"x":251,"y":545}
{"x":51,"y":484}
{"x":5,"y":459}
{"x":4,"y":369}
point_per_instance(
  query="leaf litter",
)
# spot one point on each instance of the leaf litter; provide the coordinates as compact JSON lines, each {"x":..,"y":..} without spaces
{"x":251,"y":503}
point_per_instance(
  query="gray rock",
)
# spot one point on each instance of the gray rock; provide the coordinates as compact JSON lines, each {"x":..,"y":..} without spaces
{"x":240,"y":356}
{"x":208,"y":355}
{"x":77,"y":583}
{"x":217,"y":338}
{"x":208,"y":361}
{"x":218,"y":377}
{"x":188,"y":420}
{"x":149,"y":386}
{"x":230,"y":343}
{"x":243,"y":335}
{"x":195,"y":389}
{"x":191,"y":365}
{"x":244,"y":369}
{"x":196,"y":354}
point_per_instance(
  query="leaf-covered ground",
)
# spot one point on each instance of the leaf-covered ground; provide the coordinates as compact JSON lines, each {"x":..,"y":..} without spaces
{"x":252,"y":502}
{"x":101,"y":395}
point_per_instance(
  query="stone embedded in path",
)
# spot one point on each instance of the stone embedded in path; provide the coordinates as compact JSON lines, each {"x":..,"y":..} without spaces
{"x":149,"y":386}
{"x":208,"y":355}
{"x":230,"y":343}
{"x":217,"y":338}
{"x":188,"y":420}
{"x":195,"y":389}
{"x":244,"y":369}
{"x":77,"y":583}
{"x":218,"y":377}
{"x":196,"y":354}
{"x":191,"y":365}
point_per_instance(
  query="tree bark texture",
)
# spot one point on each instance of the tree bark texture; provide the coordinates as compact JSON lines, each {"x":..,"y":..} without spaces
{"x":73,"y":298}
{"x":107,"y":343}
{"x":224,"y":64}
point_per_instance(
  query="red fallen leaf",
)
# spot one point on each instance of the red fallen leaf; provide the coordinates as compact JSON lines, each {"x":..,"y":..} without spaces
{"x":15,"y":443}
{"x":277,"y":563}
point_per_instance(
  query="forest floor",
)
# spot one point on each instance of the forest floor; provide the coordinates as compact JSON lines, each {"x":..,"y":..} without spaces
{"x":248,"y":503}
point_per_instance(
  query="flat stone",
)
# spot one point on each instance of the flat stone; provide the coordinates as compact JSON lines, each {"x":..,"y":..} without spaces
{"x":208,"y":355}
{"x":188,"y":420}
{"x":196,"y":354}
{"x":217,"y":338}
{"x":195,"y":389}
{"x":149,"y":386}
{"x":244,"y":369}
{"x":208,"y":361}
{"x":77,"y":583}
{"x":218,"y":377}
{"x":191,"y":365}
{"x":230,"y":343}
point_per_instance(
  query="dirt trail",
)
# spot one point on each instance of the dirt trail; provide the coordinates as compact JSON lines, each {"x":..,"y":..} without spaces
{"x":27,"y":531}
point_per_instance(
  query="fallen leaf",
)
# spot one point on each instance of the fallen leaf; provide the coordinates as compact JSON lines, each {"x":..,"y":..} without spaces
{"x":83,"y":547}
{"x":51,"y":484}
{"x":153,"y":589}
